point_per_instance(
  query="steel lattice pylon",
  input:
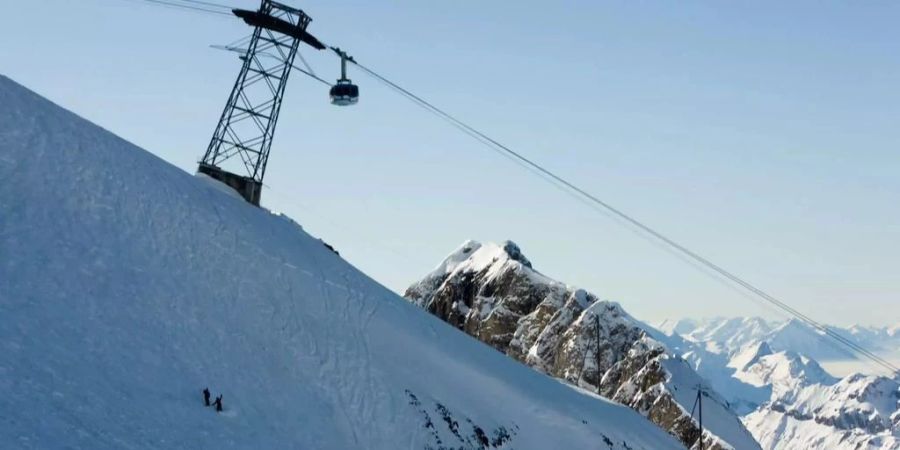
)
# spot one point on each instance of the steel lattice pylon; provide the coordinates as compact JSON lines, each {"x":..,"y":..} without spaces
{"x":244,"y":134}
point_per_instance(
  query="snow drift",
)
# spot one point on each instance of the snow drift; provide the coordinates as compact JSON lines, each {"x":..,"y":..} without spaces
{"x":127,"y":285}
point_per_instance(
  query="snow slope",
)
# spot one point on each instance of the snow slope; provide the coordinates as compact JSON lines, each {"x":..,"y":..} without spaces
{"x":127,"y":285}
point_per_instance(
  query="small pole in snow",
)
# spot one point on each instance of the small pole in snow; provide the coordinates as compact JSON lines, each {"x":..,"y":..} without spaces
{"x":700,"y":412}
{"x":597,"y":322}
{"x":698,"y":406}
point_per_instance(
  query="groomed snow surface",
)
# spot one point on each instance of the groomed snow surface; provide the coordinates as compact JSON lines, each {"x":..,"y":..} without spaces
{"x":128,"y":285}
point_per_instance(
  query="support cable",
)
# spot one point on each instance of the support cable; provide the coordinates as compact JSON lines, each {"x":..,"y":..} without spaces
{"x":243,"y":51}
{"x":627,"y":219}
{"x":207,"y":3}
{"x":191,"y":5}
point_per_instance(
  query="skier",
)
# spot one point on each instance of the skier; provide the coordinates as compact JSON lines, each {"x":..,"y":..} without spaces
{"x":206,"y":396}
{"x":218,"y":403}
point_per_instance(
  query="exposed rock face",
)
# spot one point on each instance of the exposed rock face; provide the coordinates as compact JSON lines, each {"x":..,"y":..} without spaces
{"x":493,"y":293}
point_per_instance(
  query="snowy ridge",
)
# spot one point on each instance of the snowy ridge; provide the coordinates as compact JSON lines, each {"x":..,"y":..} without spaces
{"x":784,"y":374}
{"x":749,"y":355}
{"x":882,"y":339}
{"x":781,"y":367}
{"x":128,"y":285}
{"x":731,"y":334}
{"x":728,"y":335}
{"x":492,"y":292}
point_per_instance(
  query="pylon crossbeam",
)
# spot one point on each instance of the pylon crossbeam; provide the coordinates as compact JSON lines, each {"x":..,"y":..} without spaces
{"x":260,"y":74}
{"x":253,"y":113}
{"x":278,"y":44}
{"x":262,"y":127}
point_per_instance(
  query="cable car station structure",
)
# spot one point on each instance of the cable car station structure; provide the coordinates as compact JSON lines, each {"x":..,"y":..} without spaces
{"x":243,"y":136}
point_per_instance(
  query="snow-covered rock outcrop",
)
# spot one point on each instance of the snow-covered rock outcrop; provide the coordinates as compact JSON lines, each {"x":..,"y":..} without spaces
{"x":492,"y":292}
{"x":128,"y":285}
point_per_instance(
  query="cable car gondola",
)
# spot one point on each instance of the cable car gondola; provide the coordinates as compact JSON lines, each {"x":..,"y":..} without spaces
{"x":344,"y":93}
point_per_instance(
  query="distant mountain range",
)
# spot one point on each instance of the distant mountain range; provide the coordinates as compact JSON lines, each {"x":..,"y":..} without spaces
{"x":728,"y":335}
{"x":770,"y":375}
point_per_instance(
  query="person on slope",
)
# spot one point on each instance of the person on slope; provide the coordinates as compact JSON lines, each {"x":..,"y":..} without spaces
{"x":218,"y":403}
{"x":206,"y":396}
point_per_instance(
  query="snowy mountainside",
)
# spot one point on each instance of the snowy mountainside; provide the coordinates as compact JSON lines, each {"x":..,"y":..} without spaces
{"x":783,"y":374}
{"x":128,"y":285}
{"x":799,"y":337}
{"x":716,"y":369}
{"x":787,"y":400}
{"x":492,"y":292}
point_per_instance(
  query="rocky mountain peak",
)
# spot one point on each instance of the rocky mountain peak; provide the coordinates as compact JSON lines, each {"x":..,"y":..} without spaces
{"x":515,"y":253}
{"x":492,"y":292}
{"x":750,"y":355}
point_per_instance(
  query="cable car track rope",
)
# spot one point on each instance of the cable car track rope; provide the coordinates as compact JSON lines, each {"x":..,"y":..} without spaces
{"x":193,"y":5}
{"x":560,"y":181}
{"x":707,"y":267}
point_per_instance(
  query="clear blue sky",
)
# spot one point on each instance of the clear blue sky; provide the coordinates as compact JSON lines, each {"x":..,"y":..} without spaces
{"x":764,"y":135}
